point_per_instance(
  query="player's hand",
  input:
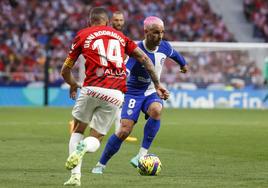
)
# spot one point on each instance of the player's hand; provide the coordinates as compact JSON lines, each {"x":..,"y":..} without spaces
{"x":162,"y":92}
{"x":183,"y":69}
{"x":73,"y":90}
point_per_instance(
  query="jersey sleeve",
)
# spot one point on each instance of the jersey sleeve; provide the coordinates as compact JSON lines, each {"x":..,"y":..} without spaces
{"x":130,"y":64}
{"x":176,"y":56}
{"x":74,"y":52}
{"x":130,"y":46}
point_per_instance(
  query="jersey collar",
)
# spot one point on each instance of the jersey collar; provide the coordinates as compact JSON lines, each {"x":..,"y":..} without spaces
{"x":148,"y":50}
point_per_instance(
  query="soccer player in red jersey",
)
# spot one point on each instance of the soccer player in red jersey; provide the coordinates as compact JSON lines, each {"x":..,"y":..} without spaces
{"x":101,"y":95}
{"x":117,"y":23}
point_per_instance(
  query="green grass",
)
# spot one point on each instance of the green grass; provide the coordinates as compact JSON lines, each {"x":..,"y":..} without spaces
{"x":198,"y":148}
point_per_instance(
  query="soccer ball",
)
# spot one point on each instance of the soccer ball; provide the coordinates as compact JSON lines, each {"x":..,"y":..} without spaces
{"x":149,"y":165}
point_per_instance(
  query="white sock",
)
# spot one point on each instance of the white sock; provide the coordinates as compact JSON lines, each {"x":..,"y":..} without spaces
{"x":117,"y":120}
{"x":74,"y":140}
{"x":142,"y":152}
{"x":77,"y":175}
{"x":102,"y":165}
{"x":92,"y":144}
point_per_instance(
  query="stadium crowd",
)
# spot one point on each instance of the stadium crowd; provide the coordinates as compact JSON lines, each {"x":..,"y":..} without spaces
{"x":33,"y":30}
{"x":256,"y":11}
{"x":218,"y":67}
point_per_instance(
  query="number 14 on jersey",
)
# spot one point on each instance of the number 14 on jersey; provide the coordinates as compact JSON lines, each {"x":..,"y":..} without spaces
{"x":113,"y":53}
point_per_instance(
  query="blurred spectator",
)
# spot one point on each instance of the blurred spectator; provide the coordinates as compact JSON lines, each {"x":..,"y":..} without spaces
{"x":216,"y":67}
{"x":29,"y":26}
{"x":256,"y":11}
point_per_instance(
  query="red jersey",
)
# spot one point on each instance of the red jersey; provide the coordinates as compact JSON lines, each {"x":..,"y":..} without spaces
{"x":104,"y":49}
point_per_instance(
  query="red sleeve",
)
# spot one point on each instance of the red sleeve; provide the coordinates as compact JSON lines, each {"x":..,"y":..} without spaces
{"x":75,"y":48}
{"x":130,"y":46}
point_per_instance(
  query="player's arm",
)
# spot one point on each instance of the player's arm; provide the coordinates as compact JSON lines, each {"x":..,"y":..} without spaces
{"x":68,"y":77}
{"x":68,"y":65}
{"x":148,"y":65}
{"x":177,"y":57}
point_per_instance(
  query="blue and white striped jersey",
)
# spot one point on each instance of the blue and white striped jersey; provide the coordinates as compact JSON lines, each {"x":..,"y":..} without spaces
{"x":139,"y":81}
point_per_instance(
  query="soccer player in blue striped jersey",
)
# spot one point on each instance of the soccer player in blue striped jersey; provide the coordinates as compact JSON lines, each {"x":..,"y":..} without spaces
{"x":141,"y":95}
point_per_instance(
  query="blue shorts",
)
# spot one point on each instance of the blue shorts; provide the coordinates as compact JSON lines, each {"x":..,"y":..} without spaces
{"x":133,"y":104}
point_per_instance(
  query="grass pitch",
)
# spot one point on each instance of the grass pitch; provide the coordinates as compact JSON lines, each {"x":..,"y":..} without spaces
{"x":198,"y":148}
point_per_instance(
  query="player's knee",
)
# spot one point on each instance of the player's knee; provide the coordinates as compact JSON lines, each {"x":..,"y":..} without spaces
{"x":154,"y":110}
{"x":123,"y":134}
{"x":79,"y":127}
{"x":124,"y":130}
{"x":155,"y":113}
{"x":77,"y":130}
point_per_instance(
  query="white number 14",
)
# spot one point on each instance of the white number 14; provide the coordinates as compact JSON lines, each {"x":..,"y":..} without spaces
{"x":113,"y":52}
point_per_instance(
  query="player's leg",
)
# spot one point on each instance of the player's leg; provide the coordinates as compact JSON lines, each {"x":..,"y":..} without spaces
{"x":76,"y":137}
{"x":117,"y":120}
{"x":71,"y":126}
{"x":102,"y":122}
{"x":152,"y":125}
{"x":152,"y":107}
{"x":89,"y":144}
{"x":113,"y":145}
{"x":82,"y":115}
{"x":130,"y":114}
{"x":100,"y":125}
{"x":117,"y":126}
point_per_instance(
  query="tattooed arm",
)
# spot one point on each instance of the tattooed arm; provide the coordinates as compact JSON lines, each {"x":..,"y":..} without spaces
{"x":149,"y":66}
